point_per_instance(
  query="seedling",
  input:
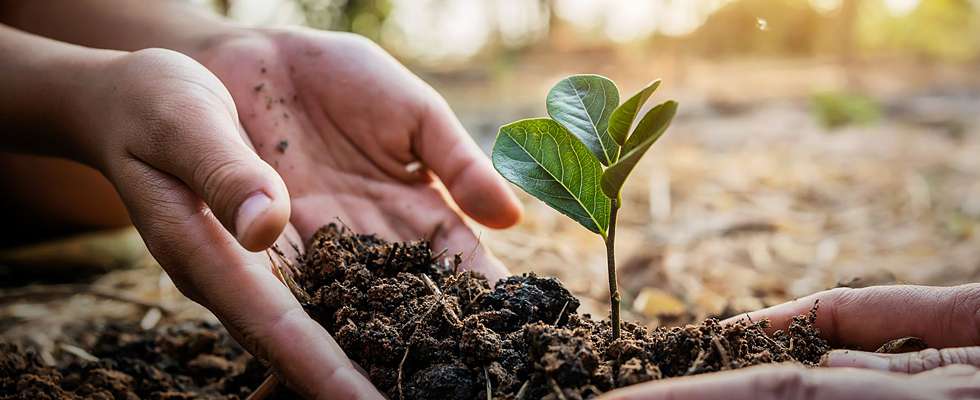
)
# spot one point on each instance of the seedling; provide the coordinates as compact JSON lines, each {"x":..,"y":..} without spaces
{"x":577,"y":160}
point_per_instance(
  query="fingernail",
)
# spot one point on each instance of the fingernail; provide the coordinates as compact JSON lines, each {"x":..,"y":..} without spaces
{"x":249,"y":211}
{"x":856,"y":359}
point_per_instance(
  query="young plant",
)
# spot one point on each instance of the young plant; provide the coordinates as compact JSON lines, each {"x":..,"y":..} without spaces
{"x":577,"y":160}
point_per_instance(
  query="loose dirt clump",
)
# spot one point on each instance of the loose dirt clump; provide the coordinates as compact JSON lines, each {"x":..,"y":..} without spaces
{"x":421,"y":329}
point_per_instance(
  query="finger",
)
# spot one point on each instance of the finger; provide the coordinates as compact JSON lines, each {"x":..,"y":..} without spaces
{"x":194,"y":136}
{"x":444,"y":147}
{"x":867,"y":317}
{"x":455,"y":235}
{"x":910,"y":363}
{"x":952,"y":371}
{"x":237,"y":286}
{"x":475,"y":255}
{"x":777,"y":382}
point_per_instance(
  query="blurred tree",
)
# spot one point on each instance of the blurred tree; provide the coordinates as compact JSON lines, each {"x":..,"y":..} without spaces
{"x":848,"y":30}
{"x":364,"y":17}
{"x":935,"y":29}
{"x":791,"y":27}
{"x":222,"y":6}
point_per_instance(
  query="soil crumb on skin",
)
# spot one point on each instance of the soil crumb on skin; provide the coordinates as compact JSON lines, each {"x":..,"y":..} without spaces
{"x":908,"y":344}
{"x":420,"y":328}
{"x":423,"y":331}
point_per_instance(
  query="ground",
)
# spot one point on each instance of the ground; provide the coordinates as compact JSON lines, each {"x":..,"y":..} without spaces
{"x":747,"y":202}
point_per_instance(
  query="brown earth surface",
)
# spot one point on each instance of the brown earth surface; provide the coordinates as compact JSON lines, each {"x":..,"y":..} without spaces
{"x":421,"y":329}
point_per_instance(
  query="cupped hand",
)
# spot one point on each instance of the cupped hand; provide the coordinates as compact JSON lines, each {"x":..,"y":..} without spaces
{"x":947,"y":318}
{"x":165,"y":132}
{"x":360,"y":139}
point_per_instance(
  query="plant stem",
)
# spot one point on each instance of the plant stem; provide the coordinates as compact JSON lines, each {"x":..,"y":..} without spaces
{"x":611,"y":260}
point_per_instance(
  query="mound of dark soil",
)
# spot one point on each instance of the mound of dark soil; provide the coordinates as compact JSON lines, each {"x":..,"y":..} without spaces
{"x":421,"y":329}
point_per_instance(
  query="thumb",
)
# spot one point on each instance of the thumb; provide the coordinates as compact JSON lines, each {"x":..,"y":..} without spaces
{"x":911,"y":363}
{"x":200,"y":143}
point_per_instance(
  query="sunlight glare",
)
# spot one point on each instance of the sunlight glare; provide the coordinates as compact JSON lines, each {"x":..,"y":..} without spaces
{"x":900,"y":8}
{"x":825,"y":6}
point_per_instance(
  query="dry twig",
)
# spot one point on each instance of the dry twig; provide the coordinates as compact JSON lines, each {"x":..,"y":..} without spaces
{"x":486,"y":376}
{"x":698,"y":361}
{"x":266,"y":389}
{"x":555,"y":388}
{"x":78,"y":352}
{"x":726,"y":361}
{"x":45,"y":292}
{"x":408,"y":344}
{"x":560,"y":313}
{"x":522,"y":391}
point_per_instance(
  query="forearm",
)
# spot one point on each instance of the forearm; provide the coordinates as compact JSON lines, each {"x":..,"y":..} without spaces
{"x":41,"y":81}
{"x":119,"y":24}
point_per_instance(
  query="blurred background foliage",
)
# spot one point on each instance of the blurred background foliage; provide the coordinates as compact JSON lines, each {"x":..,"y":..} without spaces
{"x":837,"y":109}
{"x":440,"y":31}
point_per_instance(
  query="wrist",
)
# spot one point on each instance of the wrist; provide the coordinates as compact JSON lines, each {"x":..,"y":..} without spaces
{"x":82,"y":109}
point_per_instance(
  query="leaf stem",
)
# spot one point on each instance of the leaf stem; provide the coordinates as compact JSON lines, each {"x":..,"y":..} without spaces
{"x":614,"y":298}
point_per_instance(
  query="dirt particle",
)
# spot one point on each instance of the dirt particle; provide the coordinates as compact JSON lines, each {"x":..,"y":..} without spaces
{"x":909,"y":344}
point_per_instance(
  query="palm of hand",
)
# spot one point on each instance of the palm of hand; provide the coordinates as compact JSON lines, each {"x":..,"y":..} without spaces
{"x":348,"y":129}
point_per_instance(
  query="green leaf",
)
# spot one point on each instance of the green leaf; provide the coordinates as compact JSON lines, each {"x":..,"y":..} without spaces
{"x":545,"y":160}
{"x":650,"y":128}
{"x":622,"y":117}
{"x":583,"y":104}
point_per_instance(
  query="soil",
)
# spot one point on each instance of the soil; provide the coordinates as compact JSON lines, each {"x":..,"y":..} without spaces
{"x":191,"y":360}
{"x":421,"y":328}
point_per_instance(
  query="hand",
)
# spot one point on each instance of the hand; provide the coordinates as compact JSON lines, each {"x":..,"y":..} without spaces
{"x":947,"y":318}
{"x":165,"y":132}
{"x":787,"y":382}
{"x":359,"y":138}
